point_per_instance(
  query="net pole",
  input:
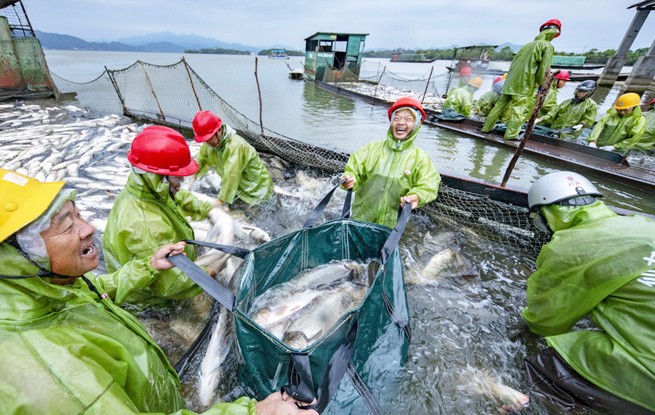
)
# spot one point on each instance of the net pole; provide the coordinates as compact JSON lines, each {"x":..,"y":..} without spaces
{"x":152,"y":89}
{"x":193,"y":88}
{"x":259,"y":92}
{"x":541,"y":97}
{"x":427,"y":84}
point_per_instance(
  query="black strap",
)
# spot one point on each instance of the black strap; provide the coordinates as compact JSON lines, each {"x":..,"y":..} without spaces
{"x":396,"y":233}
{"x":300,"y":371}
{"x":320,"y":208}
{"x":363,"y":390}
{"x":207,"y":283}
{"x":232,"y":250}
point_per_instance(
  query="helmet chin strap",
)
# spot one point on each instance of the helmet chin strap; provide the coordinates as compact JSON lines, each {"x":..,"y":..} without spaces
{"x":42,"y":271}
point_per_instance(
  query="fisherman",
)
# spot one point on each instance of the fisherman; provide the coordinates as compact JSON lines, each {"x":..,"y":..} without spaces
{"x":485,"y":103}
{"x":460,"y":99}
{"x":601,"y":265}
{"x":465,"y":75}
{"x":385,"y":173}
{"x":527,"y":70}
{"x":647,"y":141}
{"x":559,"y":80}
{"x":622,"y":127}
{"x":573,"y":114}
{"x":242,"y":172}
{"x":64,"y":346}
{"x":151,"y":210}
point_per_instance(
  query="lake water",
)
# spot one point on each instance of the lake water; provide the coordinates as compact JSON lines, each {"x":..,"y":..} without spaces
{"x":302,"y":111}
{"x":463,"y":328}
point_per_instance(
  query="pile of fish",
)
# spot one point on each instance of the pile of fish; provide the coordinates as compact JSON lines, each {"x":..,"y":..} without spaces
{"x":303,"y":309}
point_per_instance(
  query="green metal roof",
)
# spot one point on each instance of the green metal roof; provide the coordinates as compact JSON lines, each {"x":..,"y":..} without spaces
{"x":336,"y":34}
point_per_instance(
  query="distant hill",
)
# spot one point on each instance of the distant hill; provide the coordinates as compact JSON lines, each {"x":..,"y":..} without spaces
{"x":156,"y":42}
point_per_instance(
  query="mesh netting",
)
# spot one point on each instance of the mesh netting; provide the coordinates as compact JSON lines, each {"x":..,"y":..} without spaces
{"x":172,"y":94}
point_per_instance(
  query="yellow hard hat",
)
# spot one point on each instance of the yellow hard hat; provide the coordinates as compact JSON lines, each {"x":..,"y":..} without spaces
{"x":22,"y":200}
{"x":504,"y":76}
{"x":626,"y":101}
{"x":476,"y":82}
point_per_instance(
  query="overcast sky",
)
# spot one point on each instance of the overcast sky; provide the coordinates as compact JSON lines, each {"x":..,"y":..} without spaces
{"x":586,"y":24}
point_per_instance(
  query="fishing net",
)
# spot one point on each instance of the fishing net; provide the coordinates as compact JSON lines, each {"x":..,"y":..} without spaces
{"x":172,"y":94}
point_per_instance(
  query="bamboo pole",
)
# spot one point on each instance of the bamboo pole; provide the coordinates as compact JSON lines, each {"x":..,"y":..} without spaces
{"x":110,"y":74}
{"x":259,"y":92}
{"x":152,"y":89}
{"x":193,"y":88}
{"x":375,"y":91}
{"x":541,"y":96}
{"x":427,"y":84}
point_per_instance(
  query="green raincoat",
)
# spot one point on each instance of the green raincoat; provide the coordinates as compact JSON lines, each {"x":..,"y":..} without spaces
{"x":143,"y":218}
{"x":387,"y":170}
{"x":65,"y":351}
{"x":624,"y":133}
{"x":485,"y":103}
{"x":527,"y":71}
{"x":647,"y":141}
{"x":569,"y":113}
{"x":460,"y":100}
{"x":601,"y":265}
{"x":242,"y":172}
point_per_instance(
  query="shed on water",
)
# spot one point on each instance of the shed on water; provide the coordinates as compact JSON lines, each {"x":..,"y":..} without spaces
{"x":334,"y":57}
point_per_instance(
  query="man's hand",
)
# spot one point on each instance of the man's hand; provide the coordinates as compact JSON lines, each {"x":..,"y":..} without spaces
{"x":537,"y":121}
{"x":592,"y":144}
{"x":411,"y":199}
{"x":278,"y":404}
{"x":159,"y":259}
{"x":577,"y":127}
{"x":607,"y":148}
{"x":349,"y":182}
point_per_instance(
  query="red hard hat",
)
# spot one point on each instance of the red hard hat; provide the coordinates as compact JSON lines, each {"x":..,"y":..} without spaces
{"x":555,"y":22}
{"x":652,"y":102}
{"x":205,"y":125}
{"x":162,"y":150}
{"x":466,"y":71}
{"x":563,"y":75}
{"x":496,"y":80}
{"x":407,"y":102}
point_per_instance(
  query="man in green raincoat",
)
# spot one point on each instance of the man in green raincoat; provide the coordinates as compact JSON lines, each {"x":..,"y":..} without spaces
{"x":574,"y":114}
{"x":647,"y":141}
{"x":486,"y":102}
{"x":151,"y":210}
{"x":528,"y":69}
{"x":65,"y":348}
{"x":386,"y":174}
{"x":602,"y":266}
{"x":460,"y":99}
{"x":622,"y":127}
{"x":242,"y":172}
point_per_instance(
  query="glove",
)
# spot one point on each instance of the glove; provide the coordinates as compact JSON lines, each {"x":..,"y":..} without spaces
{"x":607,"y":148}
{"x":576,"y":127}
{"x":592,"y":144}
{"x":537,"y":121}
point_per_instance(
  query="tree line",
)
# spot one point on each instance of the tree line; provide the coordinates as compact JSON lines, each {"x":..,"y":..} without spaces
{"x":505,"y":54}
{"x":218,"y":51}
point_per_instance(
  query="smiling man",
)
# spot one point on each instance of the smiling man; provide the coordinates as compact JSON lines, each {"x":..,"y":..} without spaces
{"x":387,"y":173}
{"x":65,"y":347}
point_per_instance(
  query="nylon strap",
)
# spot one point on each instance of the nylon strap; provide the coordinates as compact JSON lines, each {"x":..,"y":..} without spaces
{"x":320,"y":208}
{"x":363,"y":390}
{"x":207,"y":283}
{"x":396,"y":233}
{"x":232,"y":250}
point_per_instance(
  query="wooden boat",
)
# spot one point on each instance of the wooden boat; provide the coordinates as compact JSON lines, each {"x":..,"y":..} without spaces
{"x":564,"y":153}
{"x":411,"y":57}
{"x":278,"y":54}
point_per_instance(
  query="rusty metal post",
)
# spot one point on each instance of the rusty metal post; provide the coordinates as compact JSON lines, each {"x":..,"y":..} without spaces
{"x":541,"y":97}
{"x":161,"y":112}
{"x":193,"y":88}
{"x":427,"y":84}
{"x":259,"y":91}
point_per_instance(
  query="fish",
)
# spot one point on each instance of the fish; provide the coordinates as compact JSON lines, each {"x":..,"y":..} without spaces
{"x":448,"y":261}
{"x":301,"y":310}
{"x":480,"y":382}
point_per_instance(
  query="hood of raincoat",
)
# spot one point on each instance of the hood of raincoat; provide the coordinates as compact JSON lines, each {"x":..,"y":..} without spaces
{"x":636,"y":112}
{"x":548,"y":34}
{"x":566,"y":217}
{"x":400,"y":145}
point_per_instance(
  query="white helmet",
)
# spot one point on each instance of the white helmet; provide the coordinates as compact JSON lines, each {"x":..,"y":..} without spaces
{"x":561,"y":186}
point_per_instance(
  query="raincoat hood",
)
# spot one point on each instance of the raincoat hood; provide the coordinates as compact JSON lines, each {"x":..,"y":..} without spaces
{"x":400,"y":145}
{"x":548,"y":34}
{"x":565,"y":217}
{"x":636,"y":112}
{"x":148,"y":183}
